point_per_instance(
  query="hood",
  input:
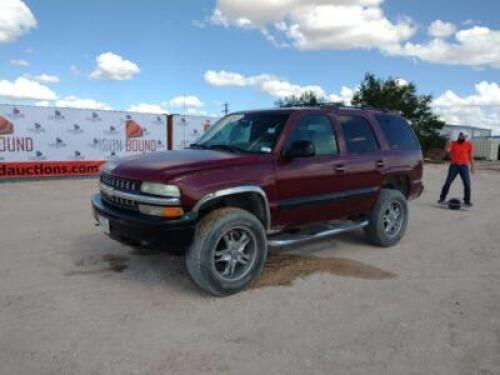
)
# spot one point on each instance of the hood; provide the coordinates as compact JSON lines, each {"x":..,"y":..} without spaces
{"x":160,"y":166}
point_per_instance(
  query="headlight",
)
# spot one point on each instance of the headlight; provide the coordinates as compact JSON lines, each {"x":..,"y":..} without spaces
{"x":160,"y":189}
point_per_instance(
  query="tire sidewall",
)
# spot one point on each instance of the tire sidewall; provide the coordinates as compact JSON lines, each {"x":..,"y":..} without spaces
{"x":385,"y":199}
{"x":205,"y":244}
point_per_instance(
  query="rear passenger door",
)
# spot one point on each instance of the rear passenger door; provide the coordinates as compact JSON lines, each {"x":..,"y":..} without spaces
{"x":361,"y":161}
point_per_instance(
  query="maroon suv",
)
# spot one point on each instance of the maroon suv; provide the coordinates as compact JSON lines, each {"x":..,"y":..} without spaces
{"x":265,"y":178}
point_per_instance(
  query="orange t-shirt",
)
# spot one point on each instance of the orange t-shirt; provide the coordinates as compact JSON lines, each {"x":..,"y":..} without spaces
{"x":461,"y":153}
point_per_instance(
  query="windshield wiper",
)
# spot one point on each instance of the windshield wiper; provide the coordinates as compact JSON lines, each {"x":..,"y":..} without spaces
{"x":226,"y":147}
{"x":197,"y":145}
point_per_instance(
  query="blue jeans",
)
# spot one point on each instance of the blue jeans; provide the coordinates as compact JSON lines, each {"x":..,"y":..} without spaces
{"x":455,"y":169}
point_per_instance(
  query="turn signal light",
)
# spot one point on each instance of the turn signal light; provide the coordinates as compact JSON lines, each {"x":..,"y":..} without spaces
{"x":168,"y":212}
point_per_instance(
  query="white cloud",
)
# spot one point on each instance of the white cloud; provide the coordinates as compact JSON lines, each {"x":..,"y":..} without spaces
{"x":45,"y":78}
{"x":316,"y":24}
{"x":267,"y":83}
{"x":476,"y":46}
{"x":441,"y":29}
{"x":190,"y":101}
{"x":479,"y":109}
{"x":24,"y":88}
{"x":114,"y":67}
{"x":74,"y":70}
{"x":147,"y":108}
{"x":224,"y":78}
{"x":19,"y":62}
{"x":351,"y":24}
{"x":487,"y":94}
{"x":15,"y":19}
{"x":345,"y":97}
{"x":76,"y":102}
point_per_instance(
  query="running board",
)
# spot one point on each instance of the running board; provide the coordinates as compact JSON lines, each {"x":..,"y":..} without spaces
{"x":287,"y":239}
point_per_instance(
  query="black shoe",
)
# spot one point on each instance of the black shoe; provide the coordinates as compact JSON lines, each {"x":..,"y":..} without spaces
{"x":442,"y":201}
{"x":468,"y":204}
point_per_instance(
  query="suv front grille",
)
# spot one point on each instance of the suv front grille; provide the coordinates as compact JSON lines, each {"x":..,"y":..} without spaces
{"x":121,"y":183}
{"x":125,"y":204}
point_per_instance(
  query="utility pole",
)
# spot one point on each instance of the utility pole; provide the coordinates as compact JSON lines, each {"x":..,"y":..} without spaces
{"x":226,"y":108}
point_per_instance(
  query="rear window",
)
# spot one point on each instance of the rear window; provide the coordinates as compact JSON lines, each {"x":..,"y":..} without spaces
{"x":397,"y":133}
{"x":358,"y":135}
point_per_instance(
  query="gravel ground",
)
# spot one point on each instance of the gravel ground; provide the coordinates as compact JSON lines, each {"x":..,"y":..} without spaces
{"x":75,"y":302}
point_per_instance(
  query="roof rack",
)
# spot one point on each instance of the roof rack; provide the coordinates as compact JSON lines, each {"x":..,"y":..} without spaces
{"x":339,"y":105}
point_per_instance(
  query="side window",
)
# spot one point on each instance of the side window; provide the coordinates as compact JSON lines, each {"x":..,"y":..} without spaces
{"x":397,"y":133}
{"x":358,"y":135}
{"x":317,"y":129}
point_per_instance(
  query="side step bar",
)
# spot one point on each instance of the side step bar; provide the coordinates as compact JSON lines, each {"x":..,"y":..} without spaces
{"x":287,"y":239}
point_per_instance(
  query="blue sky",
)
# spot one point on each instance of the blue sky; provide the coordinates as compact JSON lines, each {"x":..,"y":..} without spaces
{"x":326,"y":45}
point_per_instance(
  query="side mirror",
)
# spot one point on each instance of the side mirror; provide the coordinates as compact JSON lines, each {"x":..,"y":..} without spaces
{"x":301,"y":149}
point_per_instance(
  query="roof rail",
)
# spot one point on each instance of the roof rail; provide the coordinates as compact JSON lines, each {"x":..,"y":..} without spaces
{"x":339,"y":105}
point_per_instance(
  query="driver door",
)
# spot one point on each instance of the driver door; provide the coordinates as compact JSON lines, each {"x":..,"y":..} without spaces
{"x":305,"y":186}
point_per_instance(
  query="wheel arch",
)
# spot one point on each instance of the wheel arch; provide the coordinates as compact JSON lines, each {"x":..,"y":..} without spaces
{"x":248,"y":197}
{"x":399,"y":182}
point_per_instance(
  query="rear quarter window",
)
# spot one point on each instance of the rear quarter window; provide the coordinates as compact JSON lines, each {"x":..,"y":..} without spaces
{"x":397,"y":132}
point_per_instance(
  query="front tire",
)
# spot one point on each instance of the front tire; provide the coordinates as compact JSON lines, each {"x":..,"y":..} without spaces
{"x":228,"y":251}
{"x":388,"y":219}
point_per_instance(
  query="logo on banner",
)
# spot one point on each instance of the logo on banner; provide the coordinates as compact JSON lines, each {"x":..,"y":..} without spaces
{"x":37,"y":128}
{"x":77,"y":155}
{"x":158,"y":121}
{"x":134,"y":133}
{"x":195,"y":133}
{"x":9,"y":142}
{"x":112,"y":156}
{"x":6,"y":127}
{"x":16,"y":113}
{"x":111,"y":131}
{"x":133,"y":129}
{"x":57,"y":115}
{"x":206,"y":125}
{"x":76,"y":129}
{"x":59,"y":143}
{"x":38,"y":156}
{"x":94,"y":117}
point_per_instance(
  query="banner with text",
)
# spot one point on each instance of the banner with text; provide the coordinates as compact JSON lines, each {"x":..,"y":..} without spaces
{"x":44,"y":141}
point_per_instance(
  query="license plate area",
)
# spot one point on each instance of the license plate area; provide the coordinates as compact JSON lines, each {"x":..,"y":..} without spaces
{"x":103,"y":224}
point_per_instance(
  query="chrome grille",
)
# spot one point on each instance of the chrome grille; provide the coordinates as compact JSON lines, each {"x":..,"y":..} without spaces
{"x":121,"y":203}
{"x":121,"y":183}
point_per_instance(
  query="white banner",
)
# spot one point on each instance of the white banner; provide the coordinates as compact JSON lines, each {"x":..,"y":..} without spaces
{"x":187,"y":129}
{"x":31,"y":134}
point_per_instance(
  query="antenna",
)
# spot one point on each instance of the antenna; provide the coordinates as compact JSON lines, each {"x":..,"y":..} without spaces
{"x":226,"y":108}
{"x":184,"y":119}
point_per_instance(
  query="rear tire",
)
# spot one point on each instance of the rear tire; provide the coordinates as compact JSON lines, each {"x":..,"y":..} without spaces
{"x":228,"y":251}
{"x":388,"y":219}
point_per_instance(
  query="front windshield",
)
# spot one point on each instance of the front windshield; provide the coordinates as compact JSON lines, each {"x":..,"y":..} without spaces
{"x":248,"y":132}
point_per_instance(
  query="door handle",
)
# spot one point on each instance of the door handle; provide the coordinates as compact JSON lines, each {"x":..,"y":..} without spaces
{"x":380,"y":164}
{"x":340,"y":168}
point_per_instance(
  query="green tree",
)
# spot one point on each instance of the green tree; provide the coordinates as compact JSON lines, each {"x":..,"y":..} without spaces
{"x":393,"y":96}
{"x":306,"y":98}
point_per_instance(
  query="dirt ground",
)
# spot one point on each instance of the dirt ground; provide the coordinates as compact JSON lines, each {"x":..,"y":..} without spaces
{"x":73,"y":301}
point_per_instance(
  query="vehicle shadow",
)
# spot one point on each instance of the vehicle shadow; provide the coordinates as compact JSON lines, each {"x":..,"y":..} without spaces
{"x":96,"y":255}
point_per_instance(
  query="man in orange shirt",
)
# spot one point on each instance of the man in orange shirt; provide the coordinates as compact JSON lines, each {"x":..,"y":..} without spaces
{"x":462,"y":157}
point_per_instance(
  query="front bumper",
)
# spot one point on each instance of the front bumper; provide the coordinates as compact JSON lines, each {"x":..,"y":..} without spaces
{"x":135,"y":226}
